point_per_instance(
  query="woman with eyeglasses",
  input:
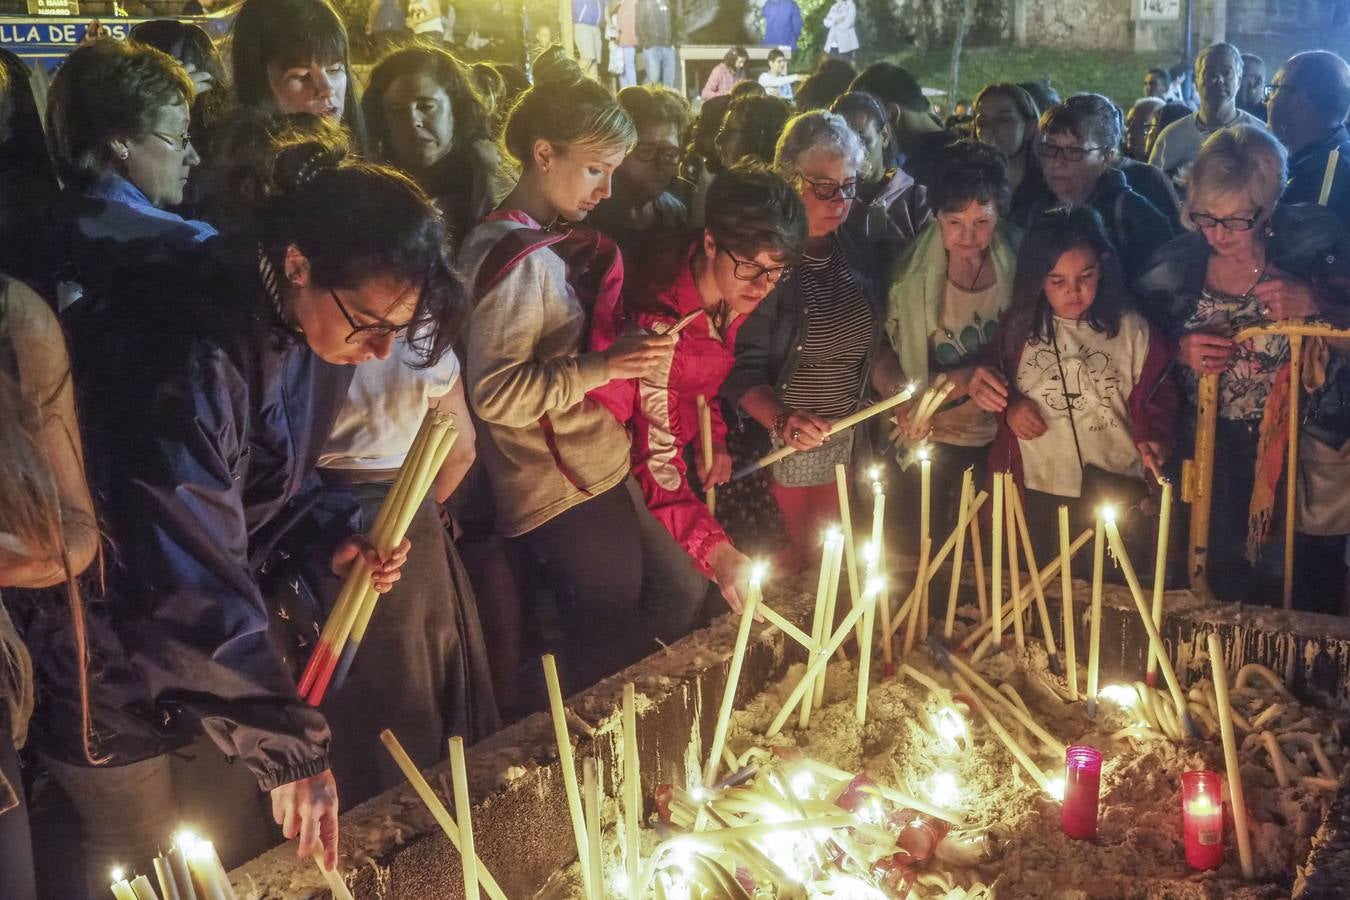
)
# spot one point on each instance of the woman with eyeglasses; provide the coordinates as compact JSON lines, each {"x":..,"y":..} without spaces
{"x":642,"y":206}
{"x":117,"y":117}
{"x":946,"y":297}
{"x":207,"y":386}
{"x":814,"y":348}
{"x":1078,"y":145}
{"x":1246,"y":261}
{"x":557,"y":457}
{"x":753,"y":234}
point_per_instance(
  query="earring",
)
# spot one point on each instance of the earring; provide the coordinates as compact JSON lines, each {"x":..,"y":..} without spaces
{"x":123,"y":154}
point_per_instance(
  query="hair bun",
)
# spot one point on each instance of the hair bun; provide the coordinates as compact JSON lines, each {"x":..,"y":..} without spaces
{"x":298,"y":165}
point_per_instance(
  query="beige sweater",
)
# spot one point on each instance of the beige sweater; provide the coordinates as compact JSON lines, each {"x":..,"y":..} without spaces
{"x":525,"y":363}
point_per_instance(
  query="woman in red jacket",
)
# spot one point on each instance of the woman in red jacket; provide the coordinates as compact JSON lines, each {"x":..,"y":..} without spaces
{"x":1083,"y":387}
{"x":755,"y":229}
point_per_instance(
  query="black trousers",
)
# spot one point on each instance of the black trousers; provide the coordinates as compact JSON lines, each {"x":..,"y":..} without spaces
{"x":622,"y":582}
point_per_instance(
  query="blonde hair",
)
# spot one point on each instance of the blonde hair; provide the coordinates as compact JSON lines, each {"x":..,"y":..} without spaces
{"x":1242,"y":160}
{"x":569,"y":111}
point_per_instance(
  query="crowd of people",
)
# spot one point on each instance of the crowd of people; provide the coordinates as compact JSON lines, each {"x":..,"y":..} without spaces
{"x":233,"y":290}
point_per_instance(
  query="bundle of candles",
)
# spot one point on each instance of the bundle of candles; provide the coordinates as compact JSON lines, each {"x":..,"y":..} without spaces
{"x":347,"y":623}
{"x":191,"y":870}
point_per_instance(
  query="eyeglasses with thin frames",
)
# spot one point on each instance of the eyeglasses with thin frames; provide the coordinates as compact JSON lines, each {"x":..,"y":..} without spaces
{"x":361,"y":332}
{"x":1231,"y":223}
{"x":828,"y":190}
{"x":669,"y":156}
{"x":1268,"y":91}
{"x":1047,"y":150}
{"x":749,"y":270}
{"x":179,"y":142}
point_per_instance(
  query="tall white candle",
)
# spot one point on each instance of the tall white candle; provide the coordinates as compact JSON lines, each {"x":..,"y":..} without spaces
{"x":1095,"y":623}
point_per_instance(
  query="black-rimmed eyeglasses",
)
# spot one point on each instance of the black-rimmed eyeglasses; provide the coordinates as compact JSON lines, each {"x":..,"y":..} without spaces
{"x":1230,"y":223}
{"x":749,"y":270}
{"x":669,"y":156}
{"x":179,"y":142}
{"x":359,"y":332}
{"x":828,"y":190}
{"x":1047,"y":150}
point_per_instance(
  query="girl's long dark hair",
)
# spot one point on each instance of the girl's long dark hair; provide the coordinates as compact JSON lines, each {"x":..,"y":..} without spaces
{"x":23,"y":146}
{"x":1057,"y":232}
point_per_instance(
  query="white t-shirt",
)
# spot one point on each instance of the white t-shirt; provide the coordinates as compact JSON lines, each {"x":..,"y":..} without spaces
{"x":1100,"y":373}
{"x":1179,"y":143}
{"x":385,"y":406}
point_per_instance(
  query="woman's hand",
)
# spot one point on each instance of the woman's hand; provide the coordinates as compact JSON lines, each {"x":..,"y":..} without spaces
{"x":1205,"y":353}
{"x":1285,"y":297}
{"x":719,"y":472}
{"x":905,"y":429}
{"x":804,"y":430}
{"x":731,"y":571}
{"x":308,"y":809}
{"x":989,"y":389}
{"x":1151,"y":453}
{"x":637,"y":354}
{"x":202,"y":80}
{"x":384,"y":571}
{"x":1025,"y":419}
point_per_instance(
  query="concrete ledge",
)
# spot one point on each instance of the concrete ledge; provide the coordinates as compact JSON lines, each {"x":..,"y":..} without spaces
{"x":395,"y":850}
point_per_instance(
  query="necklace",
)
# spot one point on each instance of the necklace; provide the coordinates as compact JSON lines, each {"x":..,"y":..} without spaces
{"x":984,"y":257}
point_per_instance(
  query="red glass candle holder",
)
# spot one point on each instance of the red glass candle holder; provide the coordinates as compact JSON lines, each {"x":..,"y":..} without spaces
{"x":1082,"y":786}
{"x":1202,"y":818}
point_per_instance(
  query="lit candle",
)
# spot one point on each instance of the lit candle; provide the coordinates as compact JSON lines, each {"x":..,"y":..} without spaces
{"x":958,"y":555}
{"x":753,"y":596}
{"x":1328,"y":176}
{"x":468,"y":856}
{"x":1066,"y":589}
{"x":140,"y":886}
{"x":1082,"y":787}
{"x":879,"y":554}
{"x":1095,"y":621}
{"x":632,"y":787}
{"x":846,"y":522}
{"x":1014,"y":567}
{"x":1159,"y":579}
{"x":834,"y":544}
{"x":121,"y":889}
{"x":997,"y":549}
{"x":208,"y":874}
{"x":706,"y":435}
{"x":818,"y":619}
{"x":168,"y":886}
{"x":925,"y":527}
{"x":1202,"y":819}
{"x":874,"y":583}
{"x":178,"y":868}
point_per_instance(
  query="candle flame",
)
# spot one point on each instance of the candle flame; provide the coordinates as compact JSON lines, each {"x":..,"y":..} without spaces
{"x":874,"y":473}
{"x":1107,"y":511}
{"x":923,"y":454}
{"x":1056,"y":787}
{"x":698,"y":794}
{"x":118,"y":874}
{"x":833,"y":534}
{"x":876,"y":584}
{"x":943,"y":789}
{"x":869,"y":553}
{"x":1120,"y":694}
{"x":802,"y":783}
{"x":1203,"y":804}
{"x":758,"y":572}
{"x":950,"y":727}
{"x":912,"y":386}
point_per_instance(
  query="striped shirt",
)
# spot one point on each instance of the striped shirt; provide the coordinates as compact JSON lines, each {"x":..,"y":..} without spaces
{"x":836,"y":338}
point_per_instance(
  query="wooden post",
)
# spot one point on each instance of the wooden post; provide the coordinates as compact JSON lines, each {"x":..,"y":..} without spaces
{"x":1291,"y":467}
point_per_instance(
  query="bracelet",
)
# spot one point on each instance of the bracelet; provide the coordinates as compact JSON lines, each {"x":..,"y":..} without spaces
{"x":779,"y":424}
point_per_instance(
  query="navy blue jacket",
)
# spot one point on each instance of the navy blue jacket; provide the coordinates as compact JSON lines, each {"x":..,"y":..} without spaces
{"x":202,"y":418}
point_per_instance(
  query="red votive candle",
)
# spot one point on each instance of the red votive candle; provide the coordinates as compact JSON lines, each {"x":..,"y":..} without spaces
{"x":1082,"y":785}
{"x":1202,"y":818}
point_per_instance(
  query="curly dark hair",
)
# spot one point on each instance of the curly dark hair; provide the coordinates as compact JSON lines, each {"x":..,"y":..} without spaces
{"x":971,"y":172}
{"x":759,"y":120}
{"x":107,"y":90}
{"x":750,"y":209}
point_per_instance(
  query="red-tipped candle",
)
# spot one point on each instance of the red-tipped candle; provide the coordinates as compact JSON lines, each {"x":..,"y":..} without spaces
{"x":1082,"y":785}
{"x":1202,"y":818}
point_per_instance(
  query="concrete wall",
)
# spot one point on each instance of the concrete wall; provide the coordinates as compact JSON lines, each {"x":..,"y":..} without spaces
{"x":392,"y":849}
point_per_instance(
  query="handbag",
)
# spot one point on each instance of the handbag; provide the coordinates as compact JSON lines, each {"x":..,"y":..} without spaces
{"x":1322,"y":504}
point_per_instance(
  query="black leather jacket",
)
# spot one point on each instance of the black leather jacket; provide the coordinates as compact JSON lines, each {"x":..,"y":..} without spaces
{"x":202,"y":419}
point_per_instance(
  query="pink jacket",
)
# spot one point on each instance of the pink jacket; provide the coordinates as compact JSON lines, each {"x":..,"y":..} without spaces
{"x":719,"y":83}
{"x":662,"y":412}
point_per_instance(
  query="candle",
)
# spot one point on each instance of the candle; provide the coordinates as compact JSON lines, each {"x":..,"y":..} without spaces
{"x":632,"y":788}
{"x":182,"y":878}
{"x":208,"y":874}
{"x":569,"y":768}
{"x":733,"y":675}
{"x":925,"y":551}
{"x":958,"y":555}
{"x":1082,"y":787}
{"x":977,"y":557}
{"x":1230,"y":755}
{"x":879,"y":551}
{"x":925,"y":528}
{"x":1095,"y":620}
{"x":459,"y":775}
{"x":1066,"y":589}
{"x":818,"y":620}
{"x":1014,"y":565}
{"x":1329,"y":176}
{"x":846,"y":522}
{"x":997,"y":633}
{"x":120,"y":888}
{"x":1018,"y":752}
{"x":834,"y":544}
{"x":1202,"y":819}
{"x":591,"y":782}
{"x":706,"y":434}
{"x":1037,"y":583}
{"x":1159,"y":579}
{"x":140,"y":886}
{"x":167,"y":884}
{"x":869,"y":623}
{"x":333,"y":878}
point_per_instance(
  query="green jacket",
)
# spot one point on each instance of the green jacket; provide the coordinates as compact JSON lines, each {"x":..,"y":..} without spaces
{"x":919,"y":286}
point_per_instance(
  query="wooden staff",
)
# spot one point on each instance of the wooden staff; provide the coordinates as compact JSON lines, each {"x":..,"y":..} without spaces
{"x":1230,"y":755}
{"x":1159,"y":579}
{"x":569,"y":773}
{"x":1066,"y":601}
{"x":1132,"y":580}
{"x":836,"y":427}
{"x":706,"y":436}
{"x":632,"y":790}
{"x":459,"y":774}
{"x":733,"y":677}
{"x":967,"y":492}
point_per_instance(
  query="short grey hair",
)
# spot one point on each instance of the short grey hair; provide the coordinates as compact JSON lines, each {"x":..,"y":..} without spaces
{"x":816,"y":130}
{"x":1242,"y":160}
{"x":1221,"y":47}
